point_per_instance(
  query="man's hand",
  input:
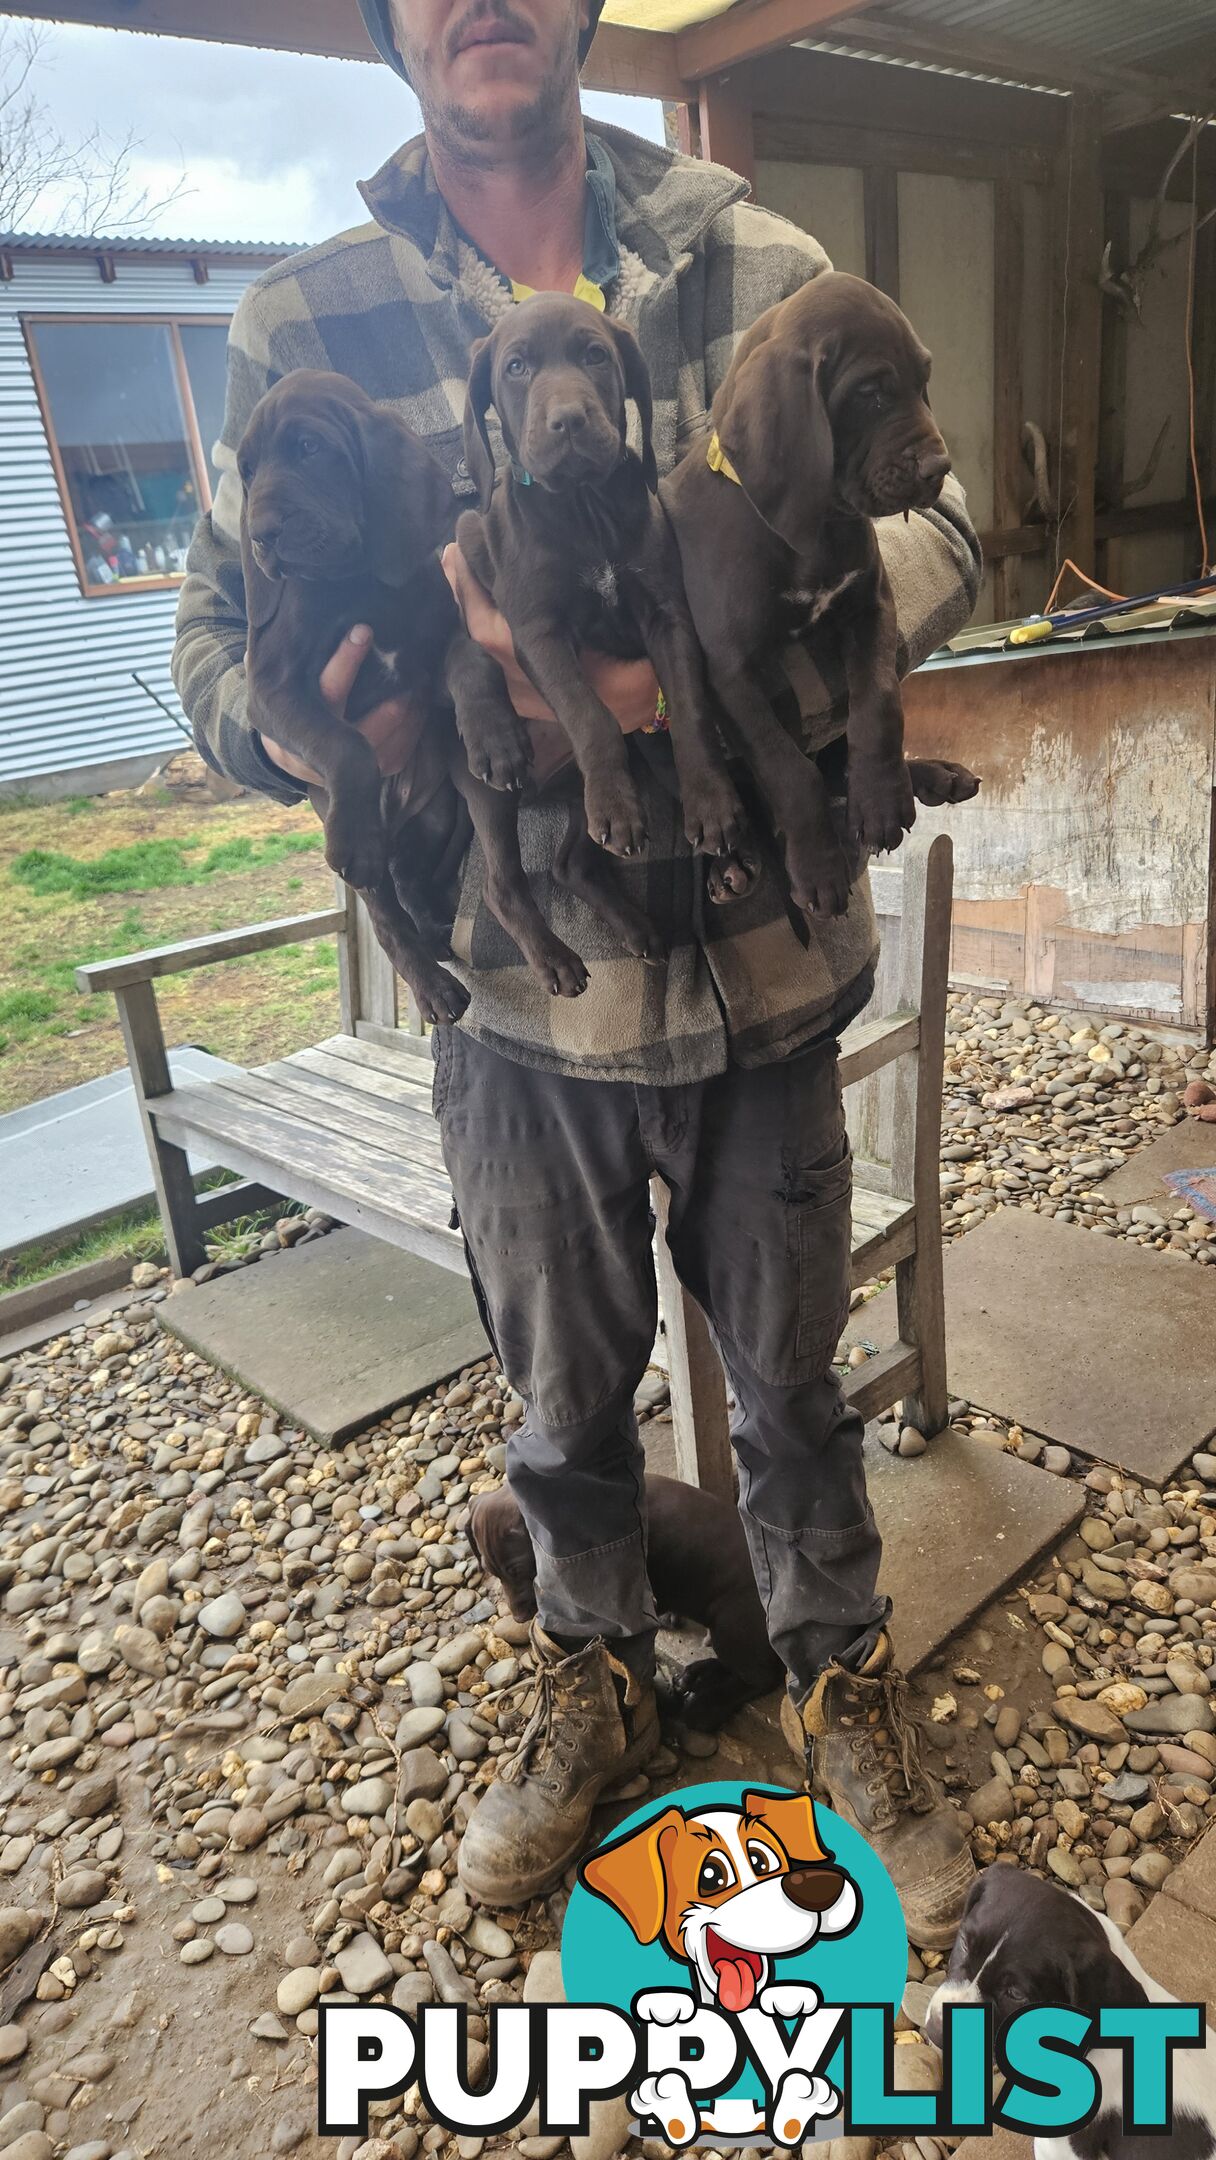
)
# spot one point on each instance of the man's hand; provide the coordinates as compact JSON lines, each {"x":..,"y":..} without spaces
{"x":629,"y":688}
{"x":393,"y":728}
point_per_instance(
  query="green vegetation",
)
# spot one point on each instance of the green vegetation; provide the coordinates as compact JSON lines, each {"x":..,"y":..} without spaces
{"x":92,"y":878}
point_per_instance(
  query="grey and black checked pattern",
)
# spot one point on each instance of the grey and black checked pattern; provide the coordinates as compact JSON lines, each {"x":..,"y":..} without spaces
{"x":396,"y":303}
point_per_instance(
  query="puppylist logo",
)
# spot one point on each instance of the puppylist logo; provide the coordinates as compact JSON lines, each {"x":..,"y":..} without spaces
{"x":734,"y":1959}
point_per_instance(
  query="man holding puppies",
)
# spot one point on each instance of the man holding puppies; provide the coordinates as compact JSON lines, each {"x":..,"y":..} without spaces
{"x":716,"y":1071}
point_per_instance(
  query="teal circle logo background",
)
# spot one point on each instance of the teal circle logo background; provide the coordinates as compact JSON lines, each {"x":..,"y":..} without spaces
{"x":603,"y":1962}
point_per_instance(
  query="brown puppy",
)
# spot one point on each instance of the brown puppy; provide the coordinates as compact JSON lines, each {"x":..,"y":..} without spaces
{"x":573,"y":546}
{"x":343,"y":511}
{"x":821,"y":426}
{"x":699,"y":1567}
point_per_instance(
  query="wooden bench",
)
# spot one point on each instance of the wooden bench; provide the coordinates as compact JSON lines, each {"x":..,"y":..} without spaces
{"x":345,"y":1125}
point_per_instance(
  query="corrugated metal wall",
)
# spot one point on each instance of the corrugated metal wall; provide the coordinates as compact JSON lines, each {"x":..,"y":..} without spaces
{"x":66,"y":695}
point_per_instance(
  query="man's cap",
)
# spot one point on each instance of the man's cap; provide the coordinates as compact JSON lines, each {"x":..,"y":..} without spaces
{"x":376,"y":14}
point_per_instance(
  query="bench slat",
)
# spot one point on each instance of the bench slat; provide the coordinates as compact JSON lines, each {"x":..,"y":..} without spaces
{"x":415,"y":1128}
{"x":373,"y":1057}
{"x":381,"y":1086}
{"x":373,"y":1188}
{"x":350,"y":1121}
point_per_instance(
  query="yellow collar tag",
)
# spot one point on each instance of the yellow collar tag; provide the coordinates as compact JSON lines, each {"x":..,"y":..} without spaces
{"x":584,"y":290}
{"x":718,"y":461}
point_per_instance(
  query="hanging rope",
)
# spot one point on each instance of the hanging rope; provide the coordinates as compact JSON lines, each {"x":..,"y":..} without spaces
{"x":1193,"y":254}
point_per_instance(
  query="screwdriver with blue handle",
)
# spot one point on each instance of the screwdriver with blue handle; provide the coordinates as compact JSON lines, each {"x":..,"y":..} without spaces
{"x":1037,"y":628}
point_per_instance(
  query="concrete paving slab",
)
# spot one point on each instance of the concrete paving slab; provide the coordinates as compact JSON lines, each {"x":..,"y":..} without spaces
{"x":75,"y":1158}
{"x":958,"y":1524}
{"x":335,"y":1333}
{"x":1086,"y":1339}
{"x":1179,"y":1949}
{"x":1003,"y":2145}
{"x":1186,"y":1146}
{"x":1194,"y":1883}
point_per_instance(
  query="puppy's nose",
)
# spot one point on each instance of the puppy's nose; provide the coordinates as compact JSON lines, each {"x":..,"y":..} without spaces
{"x":265,"y":530}
{"x":932,"y":466}
{"x":566,"y":419}
{"x":813,"y":1889}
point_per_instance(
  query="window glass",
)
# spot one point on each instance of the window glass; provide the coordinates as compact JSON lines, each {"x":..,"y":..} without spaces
{"x":205,"y":346}
{"x":114,"y":406}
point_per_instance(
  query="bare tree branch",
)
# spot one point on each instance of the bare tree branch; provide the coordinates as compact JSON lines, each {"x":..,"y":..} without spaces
{"x":82,"y":184}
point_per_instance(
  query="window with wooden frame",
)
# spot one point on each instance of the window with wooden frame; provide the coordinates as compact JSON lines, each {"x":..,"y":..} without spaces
{"x":132,"y":405}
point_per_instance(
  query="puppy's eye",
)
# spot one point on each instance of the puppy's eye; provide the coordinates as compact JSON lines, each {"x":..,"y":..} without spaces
{"x":516,"y":366}
{"x":716,"y":1875}
{"x":595,"y":355}
{"x":764,"y":1861}
{"x":306,"y":446}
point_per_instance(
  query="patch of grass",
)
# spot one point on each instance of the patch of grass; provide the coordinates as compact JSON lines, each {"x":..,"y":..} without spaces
{"x":149,"y":865}
{"x":78,"y":806}
{"x":24,"y":1008}
{"x":91,"y":889}
{"x":134,"y":1236}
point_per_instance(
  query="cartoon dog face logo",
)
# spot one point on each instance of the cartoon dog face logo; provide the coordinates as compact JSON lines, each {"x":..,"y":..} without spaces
{"x":728,"y":1890}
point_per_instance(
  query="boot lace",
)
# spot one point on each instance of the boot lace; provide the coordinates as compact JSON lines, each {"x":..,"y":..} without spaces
{"x":549,"y":1739}
{"x":884,"y":1737}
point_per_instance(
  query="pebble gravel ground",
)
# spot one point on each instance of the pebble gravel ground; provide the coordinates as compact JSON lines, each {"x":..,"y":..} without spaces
{"x":251,"y":1688}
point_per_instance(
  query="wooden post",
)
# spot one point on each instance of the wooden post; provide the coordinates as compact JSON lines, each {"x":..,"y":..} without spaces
{"x":698,"y":1385}
{"x":916,"y":1143}
{"x":377,"y":977}
{"x":728,"y":135}
{"x":350,"y":996}
{"x":173,"y":1185}
{"x":880,"y":184}
{"x":1077,"y":365}
{"x":1008,"y":413}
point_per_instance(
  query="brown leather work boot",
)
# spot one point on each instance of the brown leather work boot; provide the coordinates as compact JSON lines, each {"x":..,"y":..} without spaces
{"x":861,"y":1749}
{"x":592,"y":1725}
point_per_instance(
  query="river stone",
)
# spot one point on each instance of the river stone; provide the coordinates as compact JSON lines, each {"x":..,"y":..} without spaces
{"x":362,"y":1966}
{"x":370,"y":1796}
{"x":419,"y":1725}
{"x":423,"y":1776}
{"x":1176,"y":1714}
{"x":223,"y":1617}
{"x":298,"y":1990}
{"x":994,"y":1802}
{"x":1198,"y":1584}
{"x":1093,"y":1719}
{"x":17,"y":1929}
{"x":234,"y":1939}
{"x":83,"y":1887}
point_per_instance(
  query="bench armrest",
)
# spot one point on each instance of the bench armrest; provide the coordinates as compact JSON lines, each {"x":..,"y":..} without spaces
{"x":202,"y":951}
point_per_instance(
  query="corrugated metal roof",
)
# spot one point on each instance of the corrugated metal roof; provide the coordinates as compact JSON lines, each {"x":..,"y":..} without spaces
{"x":24,"y":243}
{"x":1156,"y":35}
{"x":1117,"y":32}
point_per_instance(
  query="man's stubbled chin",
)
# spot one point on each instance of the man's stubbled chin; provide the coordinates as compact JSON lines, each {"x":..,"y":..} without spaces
{"x":737,"y":1973}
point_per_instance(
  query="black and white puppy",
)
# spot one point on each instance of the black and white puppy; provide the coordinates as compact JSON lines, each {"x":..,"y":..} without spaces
{"x":1024,"y":1942}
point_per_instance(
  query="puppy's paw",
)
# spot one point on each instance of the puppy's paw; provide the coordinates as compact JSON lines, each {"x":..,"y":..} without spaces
{"x":730,"y":876}
{"x":665,"y":2006}
{"x":614,"y":816}
{"x":668,"y":2098}
{"x":713,"y":815}
{"x":819,"y":878}
{"x":939,"y":780}
{"x":498,"y":750}
{"x":790,"y":1999}
{"x":706,"y":1694}
{"x":356,"y":851}
{"x":882,"y":807}
{"x":440,"y":998}
{"x":799,"y":2101}
{"x":564,"y":974}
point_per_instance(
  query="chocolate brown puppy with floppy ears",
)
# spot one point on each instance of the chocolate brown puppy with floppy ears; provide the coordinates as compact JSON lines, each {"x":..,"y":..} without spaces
{"x":343,"y":511}
{"x":699,"y":1568}
{"x":821,"y":425}
{"x":575,"y":550}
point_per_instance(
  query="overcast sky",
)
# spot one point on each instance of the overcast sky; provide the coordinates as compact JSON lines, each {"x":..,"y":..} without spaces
{"x":270,"y":144}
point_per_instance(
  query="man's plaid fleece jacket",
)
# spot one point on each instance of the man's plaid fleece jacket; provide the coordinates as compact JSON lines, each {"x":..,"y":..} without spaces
{"x":397,"y":303}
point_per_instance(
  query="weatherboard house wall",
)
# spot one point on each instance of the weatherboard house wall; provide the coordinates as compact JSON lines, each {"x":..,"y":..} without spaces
{"x":71,"y":716}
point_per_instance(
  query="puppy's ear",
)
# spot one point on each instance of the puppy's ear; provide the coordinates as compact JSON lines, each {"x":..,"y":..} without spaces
{"x":773,"y":424}
{"x":263,"y":595}
{"x":478,"y":455}
{"x":631,"y":1875}
{"x":791,"y":1818}
{"x":1095,"y":1978}
{"x":407,"y":498}
{"x":637,"y":387}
